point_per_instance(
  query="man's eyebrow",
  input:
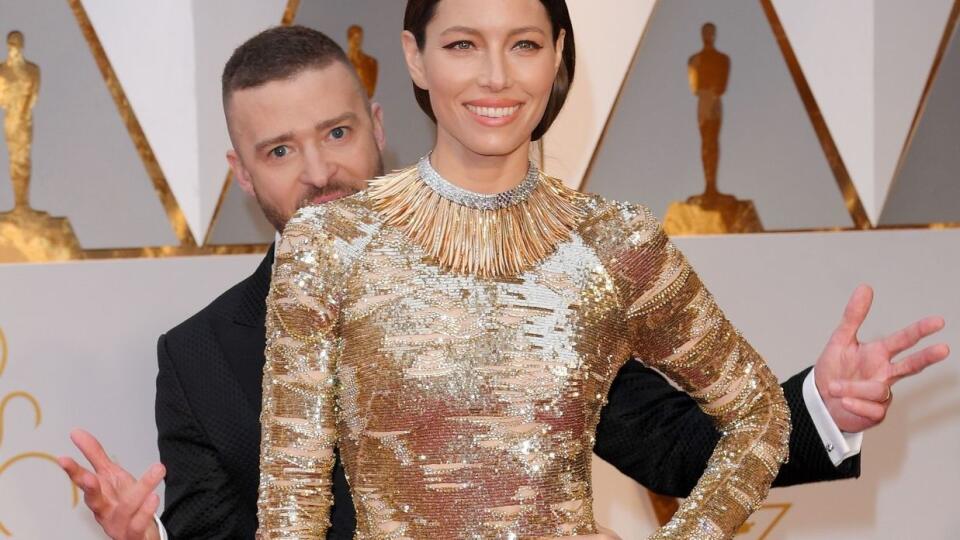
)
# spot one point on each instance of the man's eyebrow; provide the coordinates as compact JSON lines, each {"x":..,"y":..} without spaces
{"x":474,"y":31}
{"x":273,"y":140}
{"x":334,"y":122}
{"x":321,"y":126}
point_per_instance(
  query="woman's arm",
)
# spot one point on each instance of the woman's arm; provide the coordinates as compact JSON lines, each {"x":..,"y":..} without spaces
{"x":678,"y":329}
{"x":298,"y":416}
{"x":658,"y":436}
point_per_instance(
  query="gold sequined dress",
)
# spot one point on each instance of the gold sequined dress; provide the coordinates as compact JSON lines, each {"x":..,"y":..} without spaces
{"x":458,"y":348}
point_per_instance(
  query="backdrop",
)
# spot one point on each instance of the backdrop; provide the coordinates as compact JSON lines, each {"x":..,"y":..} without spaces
{"x":840,"y":124}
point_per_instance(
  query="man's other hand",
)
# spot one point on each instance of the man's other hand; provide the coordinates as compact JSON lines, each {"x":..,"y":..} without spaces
{"x":123,"y":505}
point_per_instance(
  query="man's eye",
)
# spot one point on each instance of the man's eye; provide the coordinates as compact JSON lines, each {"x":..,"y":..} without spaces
{"x":462,"y":45}
{"x":280,"y":151}
{"x":338,"y":133}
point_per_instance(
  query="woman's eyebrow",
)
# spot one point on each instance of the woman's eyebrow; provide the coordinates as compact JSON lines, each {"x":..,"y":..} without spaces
{"x":474,"y":31}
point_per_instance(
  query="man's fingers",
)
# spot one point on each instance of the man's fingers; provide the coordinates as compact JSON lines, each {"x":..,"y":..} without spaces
{"x":73,"y":469}
{"x":853,"y":315}
{"x":91,"y":449}
{"x":88,"y":482}
{"x":134,"y":497}
{"x":918,"y":361}
{"x":93,"y":495}
{"x":866,"y":390}
{"x":142,"y":520}
{"x":905,"y":338}
{"x":870,"y":410}
{"x":84,"y":479}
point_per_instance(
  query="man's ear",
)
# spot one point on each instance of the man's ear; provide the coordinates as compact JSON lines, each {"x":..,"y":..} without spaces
{"x":414,"y":58}
{"x":376,"y":113}
{"x":240,"y":173}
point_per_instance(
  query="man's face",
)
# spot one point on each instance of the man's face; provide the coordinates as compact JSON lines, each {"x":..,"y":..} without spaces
{"x":306,"y":140}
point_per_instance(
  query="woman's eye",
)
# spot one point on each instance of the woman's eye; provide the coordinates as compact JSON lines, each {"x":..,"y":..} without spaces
{"x":462,"y":45}
{"x":280,"y":151}
{"x":527,"y":45}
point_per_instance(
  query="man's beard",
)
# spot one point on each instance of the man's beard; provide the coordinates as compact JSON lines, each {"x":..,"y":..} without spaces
{"x":277,"y":218}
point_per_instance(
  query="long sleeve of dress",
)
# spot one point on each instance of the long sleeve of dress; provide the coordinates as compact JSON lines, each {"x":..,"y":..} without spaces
{"x":298,"y":416}
{"x":677,"y":328}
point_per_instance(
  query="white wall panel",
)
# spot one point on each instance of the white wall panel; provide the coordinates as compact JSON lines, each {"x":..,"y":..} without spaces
{"x":169,"y":57}
{"x":907,"y":37}
{"x":607,"y":33}
{"x":867,"y":62}
{"x":151,"y":48}
{"x":834,"y":44}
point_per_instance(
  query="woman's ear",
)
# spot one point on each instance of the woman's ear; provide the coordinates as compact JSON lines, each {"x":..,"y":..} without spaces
{"x":414,"y":58}
{"x":561,"y":39}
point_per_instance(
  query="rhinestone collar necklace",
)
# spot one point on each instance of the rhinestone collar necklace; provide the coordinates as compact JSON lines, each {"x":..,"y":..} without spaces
{"x":479,"y":201}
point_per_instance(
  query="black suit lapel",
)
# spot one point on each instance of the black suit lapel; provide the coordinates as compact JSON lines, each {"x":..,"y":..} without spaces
{"x":243,"y":338}
{"x":228,"y":392}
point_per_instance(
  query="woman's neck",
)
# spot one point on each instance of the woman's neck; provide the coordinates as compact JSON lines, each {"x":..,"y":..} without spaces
{"x":478,"y":173}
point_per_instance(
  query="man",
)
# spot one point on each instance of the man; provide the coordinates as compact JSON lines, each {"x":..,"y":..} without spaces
{"x":303,"y":132}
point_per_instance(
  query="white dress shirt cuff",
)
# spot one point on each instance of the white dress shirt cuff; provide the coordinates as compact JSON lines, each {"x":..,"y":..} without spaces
{"x":163,"y":532}
{"x":838,"y":444}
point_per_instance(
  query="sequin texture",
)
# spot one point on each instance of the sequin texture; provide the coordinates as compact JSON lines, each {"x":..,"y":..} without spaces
{"x":465,"y":406}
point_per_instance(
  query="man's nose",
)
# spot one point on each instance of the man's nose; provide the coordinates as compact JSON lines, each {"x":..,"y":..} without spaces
{"x":317,"y":170}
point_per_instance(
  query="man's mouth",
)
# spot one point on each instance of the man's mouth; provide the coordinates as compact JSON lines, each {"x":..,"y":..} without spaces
{"x":323,"y":198}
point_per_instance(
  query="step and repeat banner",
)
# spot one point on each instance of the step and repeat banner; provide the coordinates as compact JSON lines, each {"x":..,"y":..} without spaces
{"x":793,"y":149}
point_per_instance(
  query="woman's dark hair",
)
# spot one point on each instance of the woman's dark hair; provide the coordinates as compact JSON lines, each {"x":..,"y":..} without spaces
{"x":420,"y":12}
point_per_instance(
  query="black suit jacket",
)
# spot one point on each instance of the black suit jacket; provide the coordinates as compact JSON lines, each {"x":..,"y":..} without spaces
{"x":208,"y":406}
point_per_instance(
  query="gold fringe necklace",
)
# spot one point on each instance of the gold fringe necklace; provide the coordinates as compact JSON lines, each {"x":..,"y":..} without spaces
{"x":471,"y":233}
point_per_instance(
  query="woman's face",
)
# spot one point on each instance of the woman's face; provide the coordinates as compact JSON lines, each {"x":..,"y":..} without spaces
{"x":489,"y":67}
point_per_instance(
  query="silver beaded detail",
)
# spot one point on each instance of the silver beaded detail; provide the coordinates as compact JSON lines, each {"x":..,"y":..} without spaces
{"x":480,"y":201}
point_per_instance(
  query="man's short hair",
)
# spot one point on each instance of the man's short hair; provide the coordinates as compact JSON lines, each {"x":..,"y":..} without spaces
{"x":278,"y":54}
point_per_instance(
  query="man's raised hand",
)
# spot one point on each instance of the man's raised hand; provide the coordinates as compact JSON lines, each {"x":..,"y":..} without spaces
{"x":855,"y":379}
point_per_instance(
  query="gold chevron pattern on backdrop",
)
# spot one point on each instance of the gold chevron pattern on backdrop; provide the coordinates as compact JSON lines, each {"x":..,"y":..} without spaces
{"x":188,"y":246}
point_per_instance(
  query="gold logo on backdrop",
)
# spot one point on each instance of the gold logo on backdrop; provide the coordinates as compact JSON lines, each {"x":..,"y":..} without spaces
{"x":26,"y":234}
{"x":758,"y":527}
{"x":365,"y":64}
{"x":711,"y":212}
{"x":763,"y":521}
{"x":37,"y":419}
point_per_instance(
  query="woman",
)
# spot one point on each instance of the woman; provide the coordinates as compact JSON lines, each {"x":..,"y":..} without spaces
{"x":454,"y":329}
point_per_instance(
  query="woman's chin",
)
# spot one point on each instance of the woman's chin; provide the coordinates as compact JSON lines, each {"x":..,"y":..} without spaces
{"x":495,"y":146}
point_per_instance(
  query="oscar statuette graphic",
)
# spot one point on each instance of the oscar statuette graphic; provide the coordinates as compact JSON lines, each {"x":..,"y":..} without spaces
{"x":711,"y":212}
{"x":26,"y":235}
{"x":365,"y":64}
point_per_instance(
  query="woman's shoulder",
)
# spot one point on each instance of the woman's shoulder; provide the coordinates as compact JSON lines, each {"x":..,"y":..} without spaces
{"x":342,"y":227}
{"x":621,"y":217}
{"x":348,"y":215}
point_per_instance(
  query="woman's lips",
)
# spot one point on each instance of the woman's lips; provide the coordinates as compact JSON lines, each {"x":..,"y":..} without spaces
{"x":492,"y":113}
